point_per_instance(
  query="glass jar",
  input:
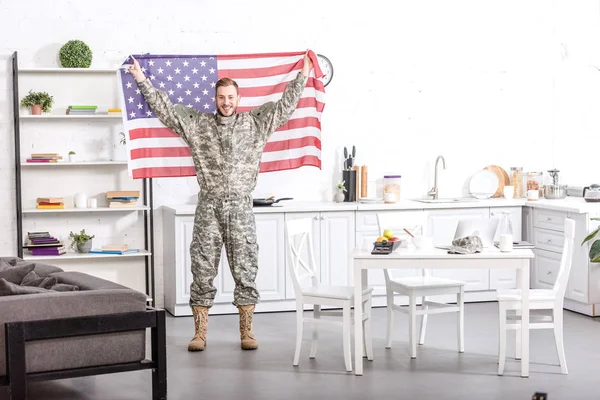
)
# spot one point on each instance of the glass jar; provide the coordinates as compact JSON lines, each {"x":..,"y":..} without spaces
{"x":516,"y":181}
{"x":391,"y":188}
{"x":535,"y":181}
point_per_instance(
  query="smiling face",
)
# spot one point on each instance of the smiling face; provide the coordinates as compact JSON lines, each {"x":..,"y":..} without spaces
{"x":227,"y":97}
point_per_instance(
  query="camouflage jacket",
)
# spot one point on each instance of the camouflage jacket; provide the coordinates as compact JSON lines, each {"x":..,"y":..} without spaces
{"x":226,"y":150}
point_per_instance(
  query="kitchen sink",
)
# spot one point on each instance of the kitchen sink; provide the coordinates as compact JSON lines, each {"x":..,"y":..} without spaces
{"x":449,"y":200}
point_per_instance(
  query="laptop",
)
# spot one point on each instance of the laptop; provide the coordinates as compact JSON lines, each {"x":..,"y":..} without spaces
{"x":484,"y":228}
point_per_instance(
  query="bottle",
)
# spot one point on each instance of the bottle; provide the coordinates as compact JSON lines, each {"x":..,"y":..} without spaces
{"x":505,"y":232}
{"x":516,"y":181}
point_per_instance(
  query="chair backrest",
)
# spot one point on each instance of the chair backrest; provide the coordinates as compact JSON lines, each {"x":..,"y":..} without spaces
{"x":566,"y":261}
{"x":298,"y":235}
{"x":416,"y":223}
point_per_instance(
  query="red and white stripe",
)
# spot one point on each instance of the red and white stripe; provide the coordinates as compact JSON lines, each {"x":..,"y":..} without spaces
{"x":156,"y":151}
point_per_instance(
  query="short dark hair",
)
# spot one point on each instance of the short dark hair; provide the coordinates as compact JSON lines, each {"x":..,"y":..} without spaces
{"x":226,"y":82}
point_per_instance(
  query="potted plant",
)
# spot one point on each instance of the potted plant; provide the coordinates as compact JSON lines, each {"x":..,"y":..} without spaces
{"x":339,"y":196}
{"x":39,"y":102}
{"x":595,"y":247}
{"x":72,"y":156}
{"x":82,"y":242}
{"x":75,"y":54}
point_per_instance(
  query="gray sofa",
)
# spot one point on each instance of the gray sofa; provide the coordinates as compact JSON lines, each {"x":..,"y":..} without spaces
{"x":110,"y":321}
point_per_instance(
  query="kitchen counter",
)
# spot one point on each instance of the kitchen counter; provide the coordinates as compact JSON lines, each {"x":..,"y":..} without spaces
{"x":569,"y":204}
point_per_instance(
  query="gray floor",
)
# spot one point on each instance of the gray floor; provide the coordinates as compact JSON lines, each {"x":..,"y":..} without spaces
{"x":223,"y":371}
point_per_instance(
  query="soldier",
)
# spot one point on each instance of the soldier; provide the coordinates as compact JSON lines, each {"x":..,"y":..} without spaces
{"x":226,"y":149}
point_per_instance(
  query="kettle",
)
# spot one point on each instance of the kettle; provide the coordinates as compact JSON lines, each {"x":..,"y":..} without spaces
{"x":591,"y":193}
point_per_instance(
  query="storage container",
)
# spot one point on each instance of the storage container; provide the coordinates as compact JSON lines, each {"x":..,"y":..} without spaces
{"x":391,"y":188}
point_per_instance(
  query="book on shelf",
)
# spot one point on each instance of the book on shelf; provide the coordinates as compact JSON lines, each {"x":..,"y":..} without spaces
{"x":122,"y":193}
{"x":117,"y":204}
{"x":50,"y":200}
{"x":48,"y":251}
{"x":114,"y":247}
{"x":38,"y":234}
{"x":119,"y":252}
{"x":50,"y":207}
{"x":37,"y":160}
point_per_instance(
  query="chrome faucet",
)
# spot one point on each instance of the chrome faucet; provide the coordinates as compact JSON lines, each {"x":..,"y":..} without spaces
{"x":434,"y":191}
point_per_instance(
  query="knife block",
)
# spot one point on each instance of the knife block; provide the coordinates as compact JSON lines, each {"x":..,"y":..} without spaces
{"x":349,"y":178}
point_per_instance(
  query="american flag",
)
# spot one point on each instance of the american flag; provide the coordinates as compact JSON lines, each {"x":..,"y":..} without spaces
{"x":155,"y":151}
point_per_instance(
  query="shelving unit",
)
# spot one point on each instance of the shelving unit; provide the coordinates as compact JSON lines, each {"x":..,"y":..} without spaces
{"x":98,"y":168}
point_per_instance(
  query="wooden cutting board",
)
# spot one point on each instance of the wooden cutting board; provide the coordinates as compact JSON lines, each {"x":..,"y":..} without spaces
{"x":503,"y":179}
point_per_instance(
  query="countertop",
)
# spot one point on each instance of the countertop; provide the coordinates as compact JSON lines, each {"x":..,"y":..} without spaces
{"x":570,"y":204}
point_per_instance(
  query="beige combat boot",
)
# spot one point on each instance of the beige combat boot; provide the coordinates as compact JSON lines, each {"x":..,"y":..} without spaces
{"x":248,"y":341}
{"x":198,"y":342}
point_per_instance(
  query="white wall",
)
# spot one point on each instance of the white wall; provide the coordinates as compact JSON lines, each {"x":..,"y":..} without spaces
{"x":481,"y":82}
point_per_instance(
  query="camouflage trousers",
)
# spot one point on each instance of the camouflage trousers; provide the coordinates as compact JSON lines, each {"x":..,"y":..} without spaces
{"x":228,"y":222}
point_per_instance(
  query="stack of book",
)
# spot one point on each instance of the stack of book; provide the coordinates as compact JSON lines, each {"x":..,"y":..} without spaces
{"x":81,"y":110}
{"x":122,"y":198}
{"x":50,"y":202}
{"x":114,"y":249}
{"x":43,"y":244}
{"x":92,"y":110}
{"x":44,"y":158}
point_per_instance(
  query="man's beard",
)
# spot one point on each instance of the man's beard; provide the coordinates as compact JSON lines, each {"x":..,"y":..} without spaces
{"x":221,"y":114}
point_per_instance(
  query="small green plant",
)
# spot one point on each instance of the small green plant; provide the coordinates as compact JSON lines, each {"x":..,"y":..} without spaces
{"x":75,"y":54}
{"x":80,"y":237}
{"x":42,"y":99}
{"x":595,"y":247}
{"x":341,"y":186}
{"x":122,"y":134}
{"x":71,"y":153}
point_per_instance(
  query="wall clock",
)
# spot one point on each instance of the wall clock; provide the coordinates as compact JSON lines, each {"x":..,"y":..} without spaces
{"x":326,"y":68}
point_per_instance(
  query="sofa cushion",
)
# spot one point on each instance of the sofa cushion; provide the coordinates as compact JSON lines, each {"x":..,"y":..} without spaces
{"x":86,"y":282}
{"x":10,"y":289}
{"x":14,"y":274}
{"x":33,"y":279}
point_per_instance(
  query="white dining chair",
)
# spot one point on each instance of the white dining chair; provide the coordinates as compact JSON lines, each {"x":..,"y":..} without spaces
{"x":298,"y":235}
{"x":424,"y":286}
{"x":509,"y":305}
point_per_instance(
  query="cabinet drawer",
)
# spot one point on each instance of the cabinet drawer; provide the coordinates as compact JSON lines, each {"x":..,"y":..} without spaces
{"x":549,"y":220}
{"x":547,"y":265}
{"x":548,"y":240}
{"x":366,"y":221}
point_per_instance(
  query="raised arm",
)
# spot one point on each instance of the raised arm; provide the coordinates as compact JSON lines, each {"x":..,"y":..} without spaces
{"x":175,"y":117}
{"x":272,"y":115}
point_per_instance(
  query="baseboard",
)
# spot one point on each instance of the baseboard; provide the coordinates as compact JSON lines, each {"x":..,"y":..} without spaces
{"x":184,"y":310}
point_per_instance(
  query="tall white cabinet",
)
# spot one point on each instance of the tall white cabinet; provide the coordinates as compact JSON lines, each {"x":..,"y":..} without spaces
{"x":101,"y":166}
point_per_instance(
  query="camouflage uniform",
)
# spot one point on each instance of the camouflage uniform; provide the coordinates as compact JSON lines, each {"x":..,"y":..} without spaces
{"x":226,"y":153}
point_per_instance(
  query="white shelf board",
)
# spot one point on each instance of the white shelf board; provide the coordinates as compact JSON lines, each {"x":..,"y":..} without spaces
{"x":71,"y":164}
{"x":70,"y":255}
{"x":73,"y":209}
{"x":69,"y":70}
{"x":66,"y":116}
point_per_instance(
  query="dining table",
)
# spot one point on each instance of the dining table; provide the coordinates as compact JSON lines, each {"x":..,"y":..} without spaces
{"x":361,"y":260}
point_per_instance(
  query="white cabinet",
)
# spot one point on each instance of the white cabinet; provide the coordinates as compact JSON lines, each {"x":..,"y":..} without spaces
{"x":333,"y":240}
{"x":270,"y":279}
{"x":548,"y":237}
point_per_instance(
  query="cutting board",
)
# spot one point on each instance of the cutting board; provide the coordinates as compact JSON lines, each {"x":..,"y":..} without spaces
{"x":503,"y":179}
